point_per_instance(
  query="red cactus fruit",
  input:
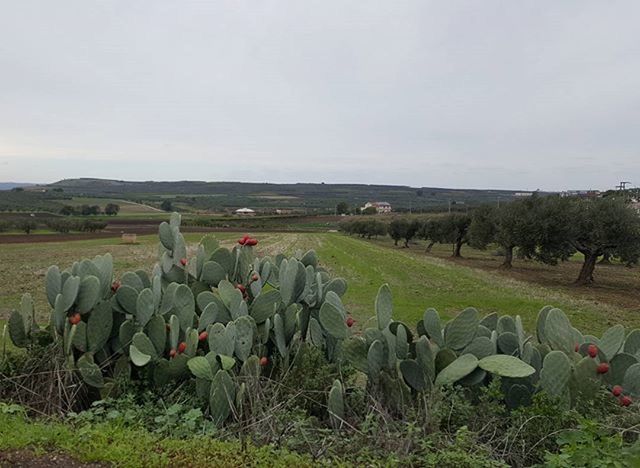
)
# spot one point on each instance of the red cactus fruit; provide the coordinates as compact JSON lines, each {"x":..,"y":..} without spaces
{"x":350,"y":322}
{"x":172,"y":353}
{"x":74,"y":319}
{"x":625,"y":401}
{"x":255,"y":277}
{"x":592,"y":350}
{"x":183,"y":261}
{"x":576,"y":348}
{"x":203,"y":336}
{"x":251,"y":241}
{"x":181,"y":347}
{"x":264,"y":361}
{"x":115,"y":286}
{"x":242,"y":241}
{"x":603,"y":368}
{"x":241,"y":288}
{"x":616,"y":391}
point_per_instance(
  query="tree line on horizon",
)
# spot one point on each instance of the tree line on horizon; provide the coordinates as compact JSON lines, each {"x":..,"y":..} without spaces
{"x":546,"y":229}
{"x":110,"y":209}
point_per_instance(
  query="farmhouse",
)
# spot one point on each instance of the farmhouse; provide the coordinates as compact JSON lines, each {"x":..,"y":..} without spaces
{"x":381,"y":207}
{"x":245,"y":212}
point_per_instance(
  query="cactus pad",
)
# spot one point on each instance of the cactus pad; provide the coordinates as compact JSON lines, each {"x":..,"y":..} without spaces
{"x":506,"y":366}
{"x":556,"y":371}
{"x":458,"y":369}
{"x":462,"y":329}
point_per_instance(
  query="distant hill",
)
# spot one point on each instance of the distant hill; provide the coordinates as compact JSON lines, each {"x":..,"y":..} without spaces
{"x":220,"y":196}
{"x":11,"y":185}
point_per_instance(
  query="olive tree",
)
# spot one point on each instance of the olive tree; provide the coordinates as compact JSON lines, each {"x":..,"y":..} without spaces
{"x":403,"y":229}
{"x":603,"y":226}
{"x":455,"y":229}
{"x":432,"y":231}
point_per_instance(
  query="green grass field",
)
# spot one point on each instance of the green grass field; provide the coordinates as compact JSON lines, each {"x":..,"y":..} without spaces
{"x":26,"y":441}
{"x":417,"y":281}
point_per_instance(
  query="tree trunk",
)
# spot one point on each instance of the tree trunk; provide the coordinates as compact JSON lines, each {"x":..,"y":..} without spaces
{"x":395,"y":242}
{"x":508,"y":258}
{"x":430,"y":246}
{"x":406,"y":243}
{"x":456,"y":250}
{"x":586,"y":272}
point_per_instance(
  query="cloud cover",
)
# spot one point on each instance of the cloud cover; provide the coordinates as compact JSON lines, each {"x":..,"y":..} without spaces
{"x":492,"y":94}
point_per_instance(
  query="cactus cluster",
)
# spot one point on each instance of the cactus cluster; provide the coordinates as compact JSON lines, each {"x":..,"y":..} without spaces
{"x":222,"y":313}
{"x":576,"y":365}
{"x":468,"y":350}
{"x":226,"y":316}
{"x":399,"y":364}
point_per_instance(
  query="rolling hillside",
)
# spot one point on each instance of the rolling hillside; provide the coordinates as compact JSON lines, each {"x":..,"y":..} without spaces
{"x":218,"y":196}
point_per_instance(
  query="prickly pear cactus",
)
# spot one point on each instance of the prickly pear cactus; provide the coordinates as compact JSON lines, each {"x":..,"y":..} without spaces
{"x":227,"y":319}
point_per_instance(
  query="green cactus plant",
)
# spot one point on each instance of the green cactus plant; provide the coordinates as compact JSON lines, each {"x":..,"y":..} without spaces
{"x":462,"y":329}
{"x":556,"y":372}
{"x":335,"y":403}
{"x":22,"y":322}
{"x":384,"y":306}
{"x":211,"y":318}
{"x":612,"y":341}
{"x":433,"y":327}
{"x":221,"y":397}
{"x":506,"y":366}
{"x":558,"y":331}
{"x":414,"y":374}
{"x":456,"y":370}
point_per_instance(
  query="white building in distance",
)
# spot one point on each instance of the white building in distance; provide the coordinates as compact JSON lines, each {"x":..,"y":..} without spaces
{"x":245,"y":212}
{"x":381,"y":207}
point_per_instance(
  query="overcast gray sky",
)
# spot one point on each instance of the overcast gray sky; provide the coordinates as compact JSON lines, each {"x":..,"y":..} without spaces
{"x":478,"y":94}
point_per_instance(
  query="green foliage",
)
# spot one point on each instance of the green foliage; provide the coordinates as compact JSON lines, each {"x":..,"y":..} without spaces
{"x":111,"y":442}
{"x":342,"y":208}
{"x":365,"y":228}
{"x":166,"y":205}
{"x":111,"y":209}
{"x":462,"y":450}
{"x":403,"y":229}
{"x":592,"y":446}
{"x":26,"y":225}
